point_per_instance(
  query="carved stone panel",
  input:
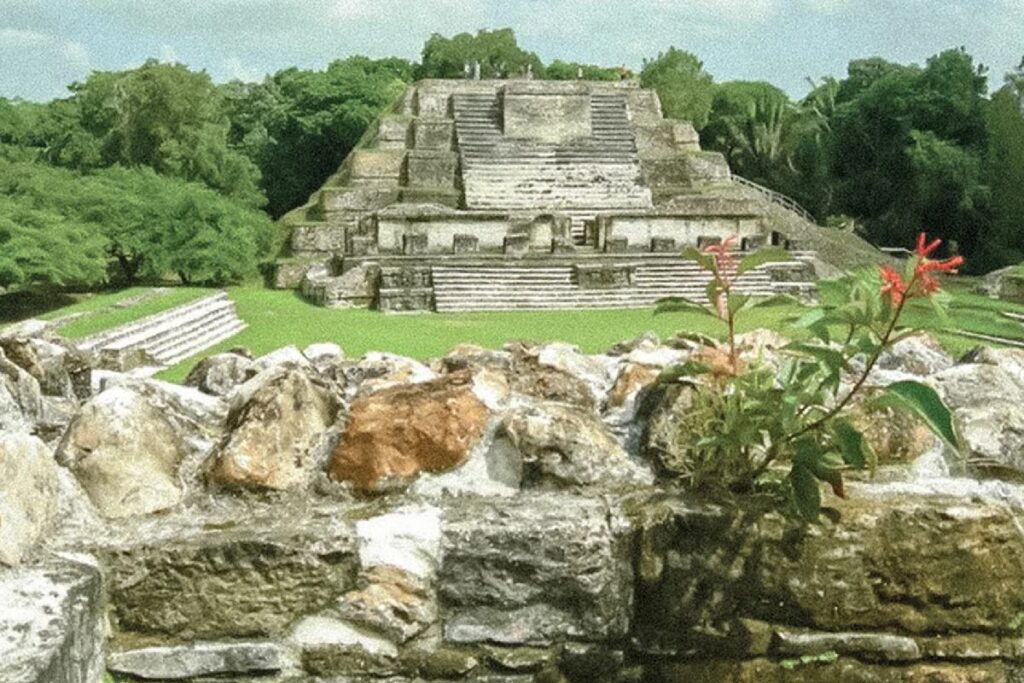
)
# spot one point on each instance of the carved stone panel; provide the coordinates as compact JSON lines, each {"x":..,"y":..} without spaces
{"x":663,"y":244}
{"x":604,"y":276}
{"x":465,"y":244}
{"x":414,"y":244}
{"x":405,"y":277}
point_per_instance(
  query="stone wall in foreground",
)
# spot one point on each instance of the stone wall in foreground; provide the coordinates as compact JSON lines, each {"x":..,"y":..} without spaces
{"x":487,"y":516}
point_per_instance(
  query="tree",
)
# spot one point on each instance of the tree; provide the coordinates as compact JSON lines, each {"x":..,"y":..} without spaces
{"x":298,"y":126}
{"x":497,"y":52}
{"x":141,"y":224}
{"x":749,"y":123}
{"x":1004,"y":170}
{"x":159,"y":115}
{"x":685,"y":89}
{"x":39,"y":247}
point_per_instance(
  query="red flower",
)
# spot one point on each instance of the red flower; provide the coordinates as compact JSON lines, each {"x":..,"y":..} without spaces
{"x":893,"y":285}
{"x":925,"y":250}
{"x":924,"y":282}
{"x":723,"y":256}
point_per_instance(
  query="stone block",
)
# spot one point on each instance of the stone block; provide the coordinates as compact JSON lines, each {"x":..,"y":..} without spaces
{"x":616,"y":245}
{"x":52,"y":622}
{"x":383,"y":166}
{"x":198,"y":659}
{"x":433,"y":133}
{"x":342,"y":199}
{"x":685,"y":136}
{"x":236,"y":572}
{"x":517,"y":244}
{"x":432,"y":169}
{"x":534,"y":570}
{"x":406,"y":300}
{"x":707,"y":167}
{"x":415,"y":243}
{"x":362,"y":245}
{"x":288,"y":273}
{"x":644,"y":106}
{"x":393,"y":132}
{"x":318,"y":237}
{"x":465,"y":244}
{"x":604,"y":276}
{"x":754,"y":242}
{"x":845,"y":670}
{"x":562,"y":245}
{"x":901,"y":564}
{"x":661,"y":245}
{"x":433,"y":103}
{"x":405,"y":277}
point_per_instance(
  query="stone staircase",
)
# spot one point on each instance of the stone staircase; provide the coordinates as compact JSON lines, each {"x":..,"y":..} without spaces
{"x":598,"y":172}
{"x":501,"y":288}
{"x":171,"y":336}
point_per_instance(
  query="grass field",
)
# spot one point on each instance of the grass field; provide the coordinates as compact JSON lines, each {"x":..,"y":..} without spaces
{"x":278,"y":318}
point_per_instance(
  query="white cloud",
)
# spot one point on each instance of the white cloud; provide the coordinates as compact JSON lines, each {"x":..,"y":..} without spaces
{"x":235,"y":70}
{"x":18,"y":38}
{"x":168,"y":55}
{"x":39,"y":65}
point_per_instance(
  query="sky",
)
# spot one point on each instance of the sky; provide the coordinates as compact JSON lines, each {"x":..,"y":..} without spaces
{"x":47,"y":44}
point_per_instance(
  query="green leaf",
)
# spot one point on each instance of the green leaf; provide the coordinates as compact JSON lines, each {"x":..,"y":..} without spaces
{"x":831,"y":358}
{"x":777,"y":300}
{"x":855,"y":449}
{"x":806,"y":492}
{"x":761,"y":257}
{"x":698,"y":338}
{"x":736,"y":302}
{"x":940,"y":310}
{"x":705,"y":261}
{"x":711,"y":292}
{"x":926,"y":403}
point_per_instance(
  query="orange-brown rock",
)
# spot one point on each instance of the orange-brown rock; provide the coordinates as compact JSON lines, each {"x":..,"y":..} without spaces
{"x":632,"y":379}
{"x":394,"y":434}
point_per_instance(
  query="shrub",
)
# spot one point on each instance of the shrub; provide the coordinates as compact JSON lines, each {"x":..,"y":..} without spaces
{"x":748,"y":417}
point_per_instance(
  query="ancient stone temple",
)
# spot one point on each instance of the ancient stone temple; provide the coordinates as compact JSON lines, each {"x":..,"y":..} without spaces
{"x":476,"y":195}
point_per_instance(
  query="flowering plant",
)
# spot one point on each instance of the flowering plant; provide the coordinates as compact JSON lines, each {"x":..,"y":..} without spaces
{"x":747,"y":417}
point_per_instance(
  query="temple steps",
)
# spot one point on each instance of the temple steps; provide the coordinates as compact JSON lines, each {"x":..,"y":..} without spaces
{"x":601,"y":171}
{"x":174,"y":335}
{"x":555,"y":287}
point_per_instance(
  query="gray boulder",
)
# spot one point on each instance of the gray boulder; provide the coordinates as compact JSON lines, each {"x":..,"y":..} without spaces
{"x":20,"y":397}
{"x":563,"y":446}
{"x":219,"y":374}
{"x":125,"y":453}
{"x":28,"y":494}
{"x":274,"y":420}
{"x":52,"y":625}
{"x":919,"y":355}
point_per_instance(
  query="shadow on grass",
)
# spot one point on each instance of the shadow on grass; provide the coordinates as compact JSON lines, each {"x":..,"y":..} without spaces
{"x":21,"y":305}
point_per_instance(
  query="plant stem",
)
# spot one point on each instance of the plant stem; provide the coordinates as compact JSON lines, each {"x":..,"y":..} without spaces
{"x":868,"y":367}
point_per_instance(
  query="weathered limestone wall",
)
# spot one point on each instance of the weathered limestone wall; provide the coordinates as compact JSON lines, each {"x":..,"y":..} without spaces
{"x":492,"y":515}
{"x":640,"y":230}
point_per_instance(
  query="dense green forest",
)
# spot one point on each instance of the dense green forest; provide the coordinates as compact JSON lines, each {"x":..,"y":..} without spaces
{"x":157,"y":171}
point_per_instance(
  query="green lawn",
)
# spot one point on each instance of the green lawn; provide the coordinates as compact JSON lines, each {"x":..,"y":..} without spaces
{"x":278,"y":318}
